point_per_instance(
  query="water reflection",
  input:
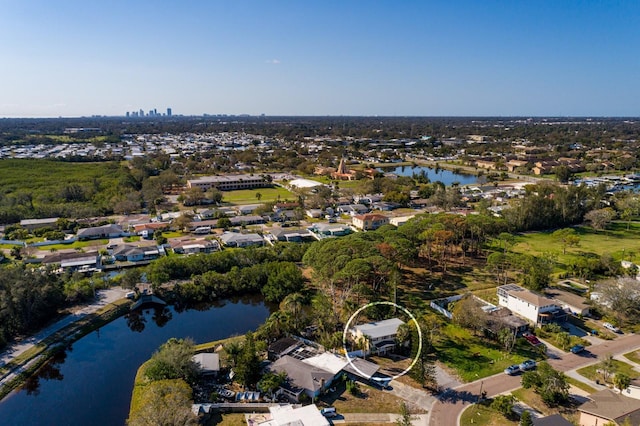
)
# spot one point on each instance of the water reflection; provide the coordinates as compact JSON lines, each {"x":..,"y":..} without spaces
{"x":161,"y":315}
{"x":49,"y":371}
{"x":136,"y":320}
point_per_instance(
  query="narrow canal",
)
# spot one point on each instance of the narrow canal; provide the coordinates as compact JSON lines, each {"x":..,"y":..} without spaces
{"x":91,"y":382}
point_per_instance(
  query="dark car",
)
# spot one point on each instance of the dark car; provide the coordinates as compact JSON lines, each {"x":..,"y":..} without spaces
{"x":576,"y":349}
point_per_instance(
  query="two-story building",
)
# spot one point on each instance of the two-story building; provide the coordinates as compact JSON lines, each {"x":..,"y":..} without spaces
{"x":532,"y":306}
{"x":369,"y":222}
{"x":379,"y":336}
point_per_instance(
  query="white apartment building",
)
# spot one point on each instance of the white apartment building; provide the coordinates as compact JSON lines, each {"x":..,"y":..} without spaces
{"x":527,"y":304}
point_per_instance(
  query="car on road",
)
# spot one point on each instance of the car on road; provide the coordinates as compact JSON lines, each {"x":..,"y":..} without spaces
{"x":528,"y":365}
{"x":576,"y":349}
{"x":512,"y":369}
{"x":611,"y":327}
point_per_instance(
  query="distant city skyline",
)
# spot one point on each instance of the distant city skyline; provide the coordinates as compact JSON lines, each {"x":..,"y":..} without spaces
{"x":387,"y":58}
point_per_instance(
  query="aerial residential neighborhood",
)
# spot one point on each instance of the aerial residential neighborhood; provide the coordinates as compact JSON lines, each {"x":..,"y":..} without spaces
{"x":416,"y":213}
{"x":512,"y":282}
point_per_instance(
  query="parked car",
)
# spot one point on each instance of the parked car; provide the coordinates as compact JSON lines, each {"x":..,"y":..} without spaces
{"x":512,"y":369}
{"x":576,"y":349}
{"x":528,"y":365}
{"x":329,"y":412}
{"x":611,"y":327}
{"x":531,"y":338}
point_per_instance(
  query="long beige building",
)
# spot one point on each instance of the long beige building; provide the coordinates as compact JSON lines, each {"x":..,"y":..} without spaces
{"x":229,"y":182}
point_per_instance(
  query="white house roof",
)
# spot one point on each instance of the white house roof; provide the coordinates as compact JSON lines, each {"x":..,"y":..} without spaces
{"x":309,"y":415}
{"x":327,"y":361}
{"x":378,"y":329}
{"x":208,"y":361}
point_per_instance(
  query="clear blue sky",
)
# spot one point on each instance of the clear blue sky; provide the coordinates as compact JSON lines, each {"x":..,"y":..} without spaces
{"x":324,"y":57}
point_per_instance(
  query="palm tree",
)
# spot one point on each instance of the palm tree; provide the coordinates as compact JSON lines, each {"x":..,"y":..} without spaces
{"x":293,"y":304}
{"x":233,"y":350}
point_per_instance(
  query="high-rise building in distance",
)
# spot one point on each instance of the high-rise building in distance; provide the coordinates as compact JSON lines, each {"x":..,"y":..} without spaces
{"x":168,"y":112}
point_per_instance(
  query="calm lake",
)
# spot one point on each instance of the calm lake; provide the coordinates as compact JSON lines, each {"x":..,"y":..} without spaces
{"x":91,"y":383}
{"x":445,"y":176}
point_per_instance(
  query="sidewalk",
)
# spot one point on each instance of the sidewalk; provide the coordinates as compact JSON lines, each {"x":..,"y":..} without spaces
{"x":418,"y":419}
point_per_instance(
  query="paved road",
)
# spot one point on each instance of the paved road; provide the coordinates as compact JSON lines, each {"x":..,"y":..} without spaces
{"x":447,"y":408}
{"x":104,"y":297}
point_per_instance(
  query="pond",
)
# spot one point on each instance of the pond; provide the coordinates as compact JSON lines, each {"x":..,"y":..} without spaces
{"x":91,"y":382}
{"x":447,"y":177}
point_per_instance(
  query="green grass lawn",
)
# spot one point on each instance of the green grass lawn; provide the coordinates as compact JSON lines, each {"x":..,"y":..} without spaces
{"x":74,"y":245}
{"x":615,"y":240}
{"x":533,"y":400}
{"x":172,"y":234}
{"x":248,"y":196}
{"x":483,"y":415}
{"x":633,"y":356}
{"x":620,"y":367}
{"x":473,"y":357}
{"x":581,"y":385}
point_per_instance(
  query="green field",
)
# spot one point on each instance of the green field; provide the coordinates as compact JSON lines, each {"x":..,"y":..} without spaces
{"x":474,"y":358}
{"x":619,"y":367}
{"x":616,"y":240}
{"x":46,"y":188}
{"x":248,"y":196}
{"x":75,"y":245}
{"x":483,"y":415}
{"x":342,"y":184}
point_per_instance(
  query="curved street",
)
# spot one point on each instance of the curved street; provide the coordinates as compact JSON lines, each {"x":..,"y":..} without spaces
{"x":447,"y":409}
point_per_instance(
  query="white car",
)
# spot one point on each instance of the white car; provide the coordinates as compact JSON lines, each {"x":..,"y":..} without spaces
{"x":611,"y":327}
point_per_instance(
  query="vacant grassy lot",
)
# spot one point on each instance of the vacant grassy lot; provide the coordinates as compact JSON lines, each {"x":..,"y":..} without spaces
{"x":370,"y":400}
{"x":633,"y":356}
{"x":614,"y":241}
{"x":532,"y":399}
{"x":483,"y":415}
{"x":75,"y":245}
{"x":472,"y":357}
{"x":249,"y":196}
{"x":619,"y":367}
{"x":581,"y":385}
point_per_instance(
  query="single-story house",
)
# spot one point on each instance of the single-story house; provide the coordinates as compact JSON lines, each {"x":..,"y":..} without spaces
{"x":235,"y":239}
{"x":32,"y":224}
{"x":607,"y":406}
{"x":98,"y":232}
{"x":301,"y":377}
{"x":331,"y":229}
{"x":384,"y":206}
{"x":282,"y":347}
{"x":288,"y":415}
{"x":570,"y":302}
{"x":292,"y":235}
{"x":73,"y":261}
{"x":314,"y":213}
{"x":553,"y":420}
{"x":130,"y":253}
{"x":195,"y":246}
{"x":209,"y":363}
{"x":246,"y":220}
{"x":503,"y":318}
{"x":400,"y":220}
{"x":352,"y":209}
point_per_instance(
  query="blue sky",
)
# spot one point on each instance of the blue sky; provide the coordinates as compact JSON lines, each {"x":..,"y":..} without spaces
{"x":325,"y":57}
